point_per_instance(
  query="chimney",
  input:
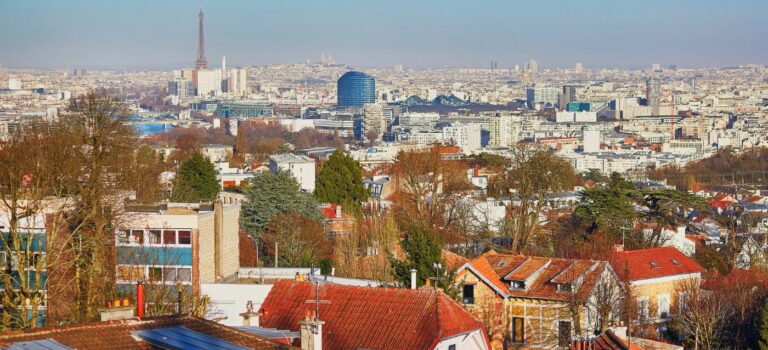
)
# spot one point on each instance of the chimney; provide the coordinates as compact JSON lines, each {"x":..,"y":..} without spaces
{"x":681,"y":231}
{"x":338,"y":211}
{"x":250,"y":318}
{"x":218,"y":238}
{"x":621,"y":332}
{"x":311,"y":332}
{"x":413,"y":278}
{"x":140,"y":299}
{"x":618,"y":248}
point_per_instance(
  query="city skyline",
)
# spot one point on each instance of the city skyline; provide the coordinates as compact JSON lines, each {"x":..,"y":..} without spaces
{"x":163,"y":35}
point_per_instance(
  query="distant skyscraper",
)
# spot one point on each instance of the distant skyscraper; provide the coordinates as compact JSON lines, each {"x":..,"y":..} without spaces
{"x":653,"y":94}
{"x":201,"y":62}
{"x":532,"y":66}
{"x":355,"y":89}
{"x":568,"y":96}
{"x":655,"y":67}
{"x":578,"y":68}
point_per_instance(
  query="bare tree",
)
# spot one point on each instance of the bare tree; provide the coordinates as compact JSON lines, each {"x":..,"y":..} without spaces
{"x":701,"y":314}
{"x":536,"y":173}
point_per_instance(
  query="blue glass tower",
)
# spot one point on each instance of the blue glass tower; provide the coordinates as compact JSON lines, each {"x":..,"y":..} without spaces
{"x":354,"y":89}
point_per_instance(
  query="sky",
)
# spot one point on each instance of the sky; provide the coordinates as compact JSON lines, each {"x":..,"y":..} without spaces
{"x":162,"y":34}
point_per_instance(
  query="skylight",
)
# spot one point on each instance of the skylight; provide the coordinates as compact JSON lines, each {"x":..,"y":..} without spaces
{"x":674,"y":261}
{"x":654,"y":264}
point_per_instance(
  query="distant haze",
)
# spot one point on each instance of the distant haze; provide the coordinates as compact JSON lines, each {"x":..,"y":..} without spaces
{"x":415,"y":33}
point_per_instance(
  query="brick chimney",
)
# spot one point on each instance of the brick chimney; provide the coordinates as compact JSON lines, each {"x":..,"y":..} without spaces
{"x":311,"y":332}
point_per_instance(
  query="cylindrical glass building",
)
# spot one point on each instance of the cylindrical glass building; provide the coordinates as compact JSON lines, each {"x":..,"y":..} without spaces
{"x":354,"y":89}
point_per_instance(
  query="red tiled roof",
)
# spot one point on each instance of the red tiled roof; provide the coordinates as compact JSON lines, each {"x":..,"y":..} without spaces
{"x":116,"y":335}
{"x":606,"y":341}
{"x":550,"y":271}
{"x":452,"y":260}
{"x":640,"y":263}
{"x":366,"y":317}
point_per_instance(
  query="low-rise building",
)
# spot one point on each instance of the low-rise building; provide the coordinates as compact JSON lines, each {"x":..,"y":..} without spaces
{"x":301,"y":167}
{"x":656,"y":276}
{"x":536,"y":302}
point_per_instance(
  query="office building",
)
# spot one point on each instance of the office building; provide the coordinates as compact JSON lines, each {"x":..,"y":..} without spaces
{"x":182,"y":88}
{"x":578,"y":68}
{"x":541,"y":95}
{"x":355,"y":89}
{"x":245,"y":109}
{"x":568,"y":95}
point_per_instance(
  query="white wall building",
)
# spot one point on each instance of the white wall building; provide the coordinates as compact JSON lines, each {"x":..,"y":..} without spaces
{"x":208,"y":82}
{"x":592,"y":141}
{"x":301,"y":167}
{"x":467,"y":137}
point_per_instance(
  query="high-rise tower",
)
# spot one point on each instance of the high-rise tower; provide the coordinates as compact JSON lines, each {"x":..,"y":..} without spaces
{"x":201,"y":62}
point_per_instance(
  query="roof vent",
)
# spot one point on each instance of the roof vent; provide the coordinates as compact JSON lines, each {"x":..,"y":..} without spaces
{"x":674,"y":261}
{"x":654,"y":265}
{"x":501,"y":263}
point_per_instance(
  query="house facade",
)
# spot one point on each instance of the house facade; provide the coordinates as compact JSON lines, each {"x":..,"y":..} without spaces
{"x":656,"y":277}
{"x":536,"y":302}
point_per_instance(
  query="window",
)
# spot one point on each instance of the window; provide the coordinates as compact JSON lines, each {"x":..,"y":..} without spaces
{"x":169,"y":237}
{"x":35,"y":259}
{"x":185,"y":237}
{"x":563,"y":333}
{"x":137,"y":237}
{"x":642,"y":308}
{"x":123,"y":237}
{"x":518,"y":330}
{"x":565,"y":287}
{"x":518,"y":284}
{"x":170,"y":274}
{"x":682,"y":301}
{"x":130,"y":273}
{"x":663,"y":310}
{"x":184,"y":274}
{"x":468,"y":294}
{"x":452,"y":347}
{"x":154,"y":236}
{"x":155,"y":273}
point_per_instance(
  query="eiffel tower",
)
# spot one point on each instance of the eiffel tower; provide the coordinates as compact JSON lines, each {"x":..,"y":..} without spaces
{"x":201,"y":62}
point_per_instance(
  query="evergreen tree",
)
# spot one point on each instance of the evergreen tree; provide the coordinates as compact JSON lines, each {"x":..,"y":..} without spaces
{"x":341,"y":182}
{"x":762,"y":328}
{"x":423,"y":250}
{"x":195,"y":180}
{"x":271,"y":194}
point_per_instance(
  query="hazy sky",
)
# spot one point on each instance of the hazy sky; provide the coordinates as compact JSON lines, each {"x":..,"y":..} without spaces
{"x":423,"y":33}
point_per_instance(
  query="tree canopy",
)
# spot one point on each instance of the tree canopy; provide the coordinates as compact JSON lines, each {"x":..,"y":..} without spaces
{"x":341,"y":182}
{"x":271,"y":194}
{"x":196,"y":180}
{"x":423,"y":249}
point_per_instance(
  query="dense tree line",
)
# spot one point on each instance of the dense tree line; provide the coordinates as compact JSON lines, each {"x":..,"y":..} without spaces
{"x":727,"y":166}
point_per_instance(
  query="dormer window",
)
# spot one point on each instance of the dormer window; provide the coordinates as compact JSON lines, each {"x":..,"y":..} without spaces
{"x":565,"y":288}
{"x":519,"y":285}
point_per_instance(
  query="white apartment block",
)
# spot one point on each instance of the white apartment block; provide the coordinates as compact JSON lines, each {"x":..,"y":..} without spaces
{"x":467,"y":136}
{"x":301,"y":167}
{"x":505,"y":131}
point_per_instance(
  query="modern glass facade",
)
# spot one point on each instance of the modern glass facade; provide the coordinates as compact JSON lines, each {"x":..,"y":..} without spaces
{"x":355,"y":89}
